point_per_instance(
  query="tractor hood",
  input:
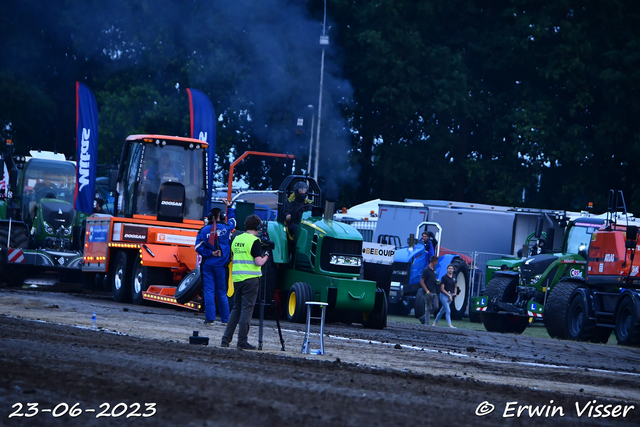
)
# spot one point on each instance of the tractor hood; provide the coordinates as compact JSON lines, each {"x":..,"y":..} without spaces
{"x":330,"y":228}
{"x":407,"y":253}
{"x":57,"y":213}
{"x":536,"y":265}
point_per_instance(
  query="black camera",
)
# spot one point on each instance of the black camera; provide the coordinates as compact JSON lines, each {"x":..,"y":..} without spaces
{"x":264,"y":238}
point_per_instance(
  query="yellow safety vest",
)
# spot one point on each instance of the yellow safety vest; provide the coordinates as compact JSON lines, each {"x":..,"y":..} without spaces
{"x":244,"y":265}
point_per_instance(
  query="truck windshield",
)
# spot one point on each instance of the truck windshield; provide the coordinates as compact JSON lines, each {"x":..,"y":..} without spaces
{"x":171,"y":163}
{"x":579,"y":238}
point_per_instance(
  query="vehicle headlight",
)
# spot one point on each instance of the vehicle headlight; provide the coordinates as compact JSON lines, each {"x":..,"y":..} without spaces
{"x":47,"y":227}
{"x":535,"y":279}
{"x":67,"y":231}
{"x":401,"y":272}
{"x":354,"y":261}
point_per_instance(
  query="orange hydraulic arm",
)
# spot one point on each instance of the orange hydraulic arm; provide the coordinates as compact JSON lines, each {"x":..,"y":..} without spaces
{"x":246,"y":153}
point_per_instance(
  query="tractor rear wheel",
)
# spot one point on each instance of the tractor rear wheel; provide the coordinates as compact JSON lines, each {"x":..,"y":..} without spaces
{"x":377,"y":319}
{"x":461,"y":274}
{"x":299,"y":294}
{"x":556,"y":311}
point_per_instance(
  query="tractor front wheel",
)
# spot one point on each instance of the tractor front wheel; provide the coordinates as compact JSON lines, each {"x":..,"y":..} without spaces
{"x":299,"y":294}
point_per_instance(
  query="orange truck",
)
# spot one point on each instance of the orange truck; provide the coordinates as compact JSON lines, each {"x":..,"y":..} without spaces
{"x":147,"y":247}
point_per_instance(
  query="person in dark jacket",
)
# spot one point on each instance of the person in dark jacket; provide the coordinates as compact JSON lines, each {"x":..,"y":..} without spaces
{"x":430,"y":284}
{"x":294,"y":207}
{"x":212,"y":243}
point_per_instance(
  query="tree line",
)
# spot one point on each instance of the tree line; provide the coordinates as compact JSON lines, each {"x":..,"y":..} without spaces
{"x":509,"y":102}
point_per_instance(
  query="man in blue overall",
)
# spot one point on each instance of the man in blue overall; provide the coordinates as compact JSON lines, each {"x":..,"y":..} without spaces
{"x":212,"y":242}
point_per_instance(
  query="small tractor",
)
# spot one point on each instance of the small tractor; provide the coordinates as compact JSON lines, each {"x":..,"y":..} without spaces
{"x":40,"y":237}
{"x":323,"y":264}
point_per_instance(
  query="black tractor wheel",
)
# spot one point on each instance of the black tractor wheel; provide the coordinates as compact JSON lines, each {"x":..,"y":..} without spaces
{"x":19,"y":235}
{"x":120,"y":273}
{"x":377,"y":319}
{"x":13,"y":274}
{"x":627,"y":328}
{"x":556,"y":310}
{"x":189,"y":287}
{"x":299,"y":294}
{"x":418,"y":303}
{"x":502,"y":289}
{"x":461,"y":274}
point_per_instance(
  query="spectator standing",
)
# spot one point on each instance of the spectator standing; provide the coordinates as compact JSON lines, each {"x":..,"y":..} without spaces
{"x":247,"y":263}
{"x":429,"y":283}
{"x":212,"y":243}
{"x":447,"y":292}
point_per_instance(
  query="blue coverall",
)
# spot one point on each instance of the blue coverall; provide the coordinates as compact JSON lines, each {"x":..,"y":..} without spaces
{"x":213,"y":267}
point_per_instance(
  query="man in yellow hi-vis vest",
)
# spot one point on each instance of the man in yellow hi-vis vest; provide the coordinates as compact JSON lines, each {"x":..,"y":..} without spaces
{"x":246,"y":272}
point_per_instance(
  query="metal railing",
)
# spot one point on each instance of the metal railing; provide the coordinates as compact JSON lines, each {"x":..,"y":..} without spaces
{"x":480,"y":260}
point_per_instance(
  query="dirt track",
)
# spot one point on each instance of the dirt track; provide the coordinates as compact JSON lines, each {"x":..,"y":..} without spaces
{"x":408,"y":374}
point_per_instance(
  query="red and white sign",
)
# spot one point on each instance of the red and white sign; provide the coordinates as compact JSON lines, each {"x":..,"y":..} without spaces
{"x":15,"y":255}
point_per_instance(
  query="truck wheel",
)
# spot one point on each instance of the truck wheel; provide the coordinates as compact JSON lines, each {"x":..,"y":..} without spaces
{"x":459,"y":303}
{"x":579,"y":326}
{"x":299,"y":294}
{"x":189,"y":287}
{"x":139,"y":281}
{"x":502,"y":289}
{"x":418,"y":303}
{"x":557,"y":309}
{"x":627,"y":329}
{"x":120,"y":271}
{"x":377,"y":320}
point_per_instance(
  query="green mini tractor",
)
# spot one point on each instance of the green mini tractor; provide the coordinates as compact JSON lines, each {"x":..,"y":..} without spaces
{"x":323,"y":264}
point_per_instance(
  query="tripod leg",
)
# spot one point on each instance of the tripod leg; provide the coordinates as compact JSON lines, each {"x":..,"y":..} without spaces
{"x":275,"y":309}
{"x":261,"y":324}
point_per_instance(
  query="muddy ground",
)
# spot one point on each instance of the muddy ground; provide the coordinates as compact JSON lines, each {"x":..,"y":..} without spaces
{"x":138,"y":362}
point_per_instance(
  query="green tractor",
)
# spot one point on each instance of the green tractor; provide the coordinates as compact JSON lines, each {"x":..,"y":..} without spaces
{"x":323,"y":264}
{"x":520,"y":291}
{"x":40,"y":240}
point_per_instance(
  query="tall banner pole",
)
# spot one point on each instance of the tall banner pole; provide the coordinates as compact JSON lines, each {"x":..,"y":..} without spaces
{"x":203,"y":127}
